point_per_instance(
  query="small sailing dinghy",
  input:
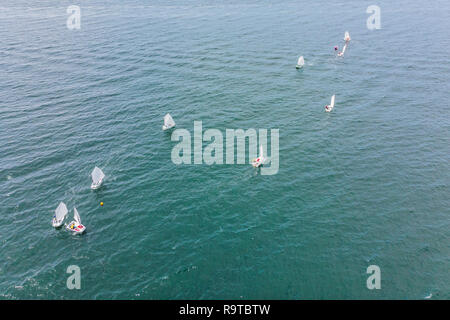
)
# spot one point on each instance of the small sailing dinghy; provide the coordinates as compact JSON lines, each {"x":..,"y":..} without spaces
{"x":347,"y":36}
{"x":330,"y":107}
{"x":347,"y":39}
{"x":97,"y":178}
{"x":60,"y":214}
{"x":260,"y":160}
{"x":300,"y":63}
{"x":76,"y":226}
{"x":168,"y":122}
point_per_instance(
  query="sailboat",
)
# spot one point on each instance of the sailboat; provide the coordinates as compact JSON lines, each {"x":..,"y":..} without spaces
{"x":330,"y":107}
{"x":260,"y":160}
{"x":300,"y":62}
{"x":168,"y":122}
{"x":60,"y":214}
{"x":347,"y":36}
{"x":97,"y":178}
{"x":76,"y":226}
{"x":347,"y":39}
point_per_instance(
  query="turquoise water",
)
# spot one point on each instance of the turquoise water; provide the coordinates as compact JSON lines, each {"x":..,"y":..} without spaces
{"x":367,"y":184}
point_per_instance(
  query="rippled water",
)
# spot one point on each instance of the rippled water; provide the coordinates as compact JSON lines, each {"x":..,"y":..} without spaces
{"x":367,"y":184}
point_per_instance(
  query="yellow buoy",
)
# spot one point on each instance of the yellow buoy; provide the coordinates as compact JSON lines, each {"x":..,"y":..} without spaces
{"x":101,"y":203}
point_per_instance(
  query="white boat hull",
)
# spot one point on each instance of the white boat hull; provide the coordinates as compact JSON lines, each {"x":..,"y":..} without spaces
{"x":75,"y":227}
{"x":56,"y":223}
{"x":95,"y":186}
{"x":167,"y":128}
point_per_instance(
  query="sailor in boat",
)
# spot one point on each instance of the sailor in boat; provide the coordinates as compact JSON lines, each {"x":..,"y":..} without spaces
{"x":260,"y":160}
{"x":327,"y":108}
{"x":256,"y":162}
{"x":76,"y":227}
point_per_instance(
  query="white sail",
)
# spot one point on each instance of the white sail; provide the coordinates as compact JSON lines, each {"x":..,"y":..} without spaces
{"x":97,"y":175}
{"x":261,"y":154}
{"x":61,"y":211}
{"x":343,"y":49}
{"x":347,"y":36}
{"x":168,"y":122}
{"x":301,"y":61}
{"x":76,"y":216}
{"x":332,"y":101}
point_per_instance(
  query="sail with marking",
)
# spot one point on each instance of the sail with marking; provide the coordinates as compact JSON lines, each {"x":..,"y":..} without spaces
{"x":332,"y":101}
{"x":76,"y":216}
{"x":61,"y":211}
{"x":168,"y":122}
{"x":347,"y":36}
{"x":97,"y":175}
{"x":301,"y":61}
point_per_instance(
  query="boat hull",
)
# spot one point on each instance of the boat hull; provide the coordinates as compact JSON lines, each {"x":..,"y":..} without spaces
{"x":95,"y":186}
{"x":56,"y":223}
{"x":167,"y":128}
{"x":76,"y":228}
